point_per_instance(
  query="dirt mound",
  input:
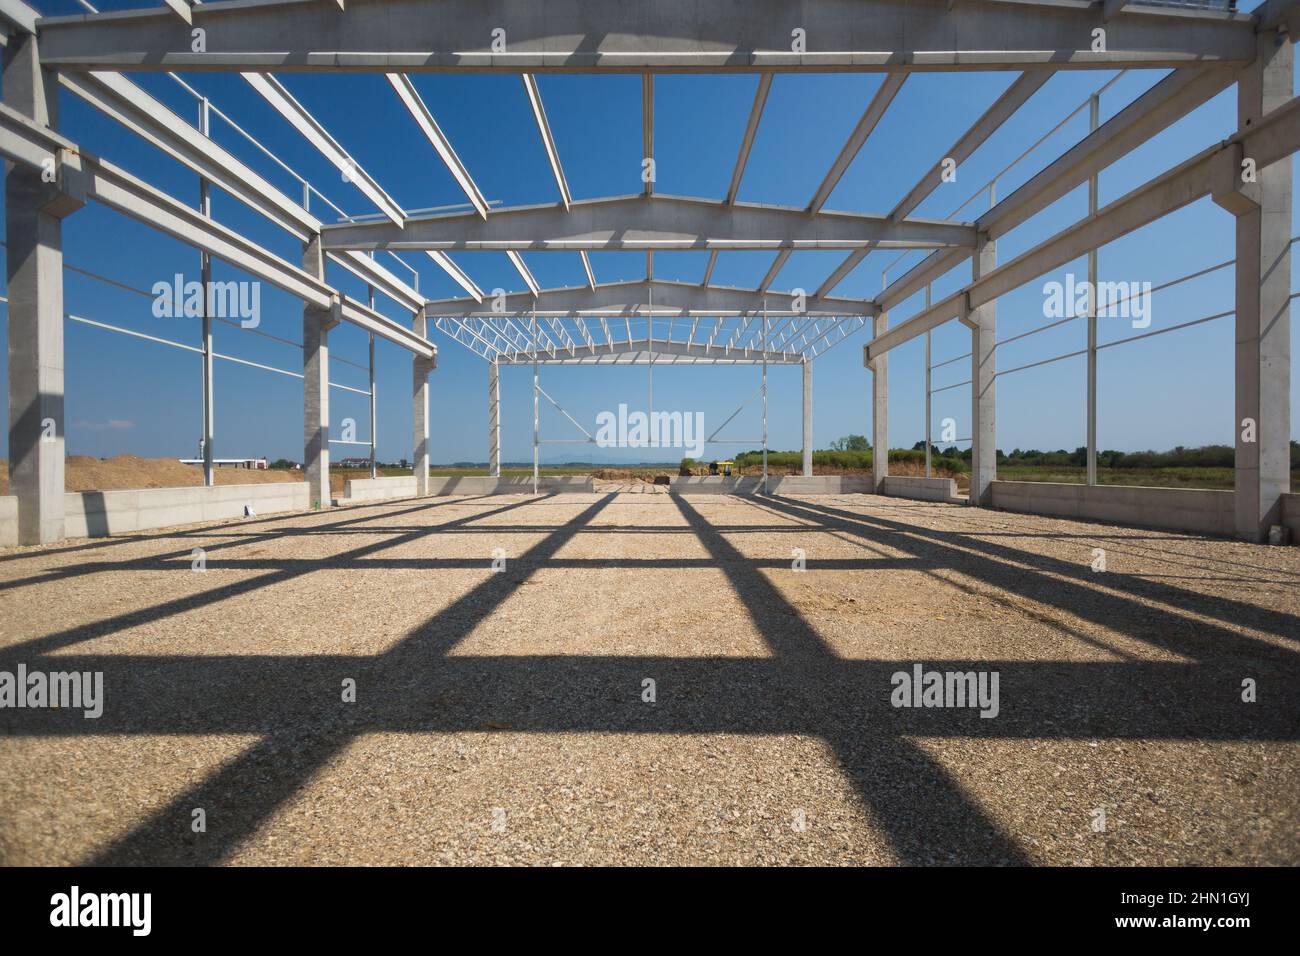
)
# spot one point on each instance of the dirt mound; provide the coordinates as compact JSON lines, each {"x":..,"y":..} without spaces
{"x":84,"y":473}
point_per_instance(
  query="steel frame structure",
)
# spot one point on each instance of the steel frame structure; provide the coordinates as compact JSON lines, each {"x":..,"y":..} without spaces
{"x":1207,"y":51}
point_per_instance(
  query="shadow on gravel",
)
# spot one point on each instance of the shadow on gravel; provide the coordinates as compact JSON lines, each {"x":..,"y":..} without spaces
{"x":292,"y":702}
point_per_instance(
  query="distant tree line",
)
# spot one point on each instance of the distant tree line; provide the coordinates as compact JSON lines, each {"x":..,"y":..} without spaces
{"x":854,"y":451}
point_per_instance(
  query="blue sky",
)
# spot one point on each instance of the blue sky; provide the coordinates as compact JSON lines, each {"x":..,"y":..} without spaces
{"x":129,"y":396}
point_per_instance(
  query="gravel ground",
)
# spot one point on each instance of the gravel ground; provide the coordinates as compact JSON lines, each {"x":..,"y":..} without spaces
{"x":502,"y":716}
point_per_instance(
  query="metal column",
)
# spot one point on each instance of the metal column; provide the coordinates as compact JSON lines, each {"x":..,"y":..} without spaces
{"x":536,"y":412}
{"x":374,"y":424}
{"x":1094,"y":111}
{"x":205,"y":277}
{"x":765,"y":396}
{"x":928,"y":418}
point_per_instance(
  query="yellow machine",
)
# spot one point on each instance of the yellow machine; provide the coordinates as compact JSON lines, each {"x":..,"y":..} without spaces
{"x":721,"y":468}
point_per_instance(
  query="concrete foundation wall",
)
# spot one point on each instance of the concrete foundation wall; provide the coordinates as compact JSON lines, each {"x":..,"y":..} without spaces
{"x":95,"y":514}
{"x":8,"y":521}
{"x":376,"y":489}
{"x":714,"y":485}
{"x":819,"y":485}
{"x":923,"y":489}
{"x":1179,"y":509}
{"x":776,"y":485}
{"x":1290,"y":516}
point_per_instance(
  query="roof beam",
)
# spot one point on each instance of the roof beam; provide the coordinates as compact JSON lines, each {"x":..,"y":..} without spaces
{"x":648,"y":132}
{"x":457,"y":274}
{"x":660,"y":223}
{"x":88,"y":177}
{"x":751,"y":131}
{"x":383,"y":327}
{"x":774,"y":269}
{"x":901,"y":36}
{"x":671,"y":299}
{"x":182,"y":9}
{"x":1025,"y":86}
{"x":517,"y":261}
{"x":121,"y":99}
{"x":553,"y":156}
{"x":658,"y":351}
{"x":410,"y":98}
{"x":548,"y":138}
{"x":1016,"y":95}
{"x":118,"y":97}
{"x":742,"y":160}
{"x":283,"y":102}
{"x":1155,"y":110}
{"x":885,"y":94}
{"x":18,"y":15}
{"x":372,"y":273}
{"x":1270,"y":139}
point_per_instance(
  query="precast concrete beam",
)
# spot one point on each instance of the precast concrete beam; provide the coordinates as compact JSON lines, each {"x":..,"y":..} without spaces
{"x":670,"y":36}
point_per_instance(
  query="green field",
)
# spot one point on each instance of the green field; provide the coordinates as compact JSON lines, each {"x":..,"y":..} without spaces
{"x":1152,"y":477}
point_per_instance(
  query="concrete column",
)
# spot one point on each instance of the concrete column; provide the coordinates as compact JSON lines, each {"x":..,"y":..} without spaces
{"x":420,"y":369}
{"x":316,"y":323}
{"x":880,"y":412}
{"x":34,"y":212}
{"x":807,"y":419}
{"x":984,"y":335}
{"x":494,"y":420}
{"x":1263,"y":315}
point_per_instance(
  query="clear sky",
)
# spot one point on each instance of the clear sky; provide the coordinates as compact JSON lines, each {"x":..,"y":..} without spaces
{"x":125,"y":395}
